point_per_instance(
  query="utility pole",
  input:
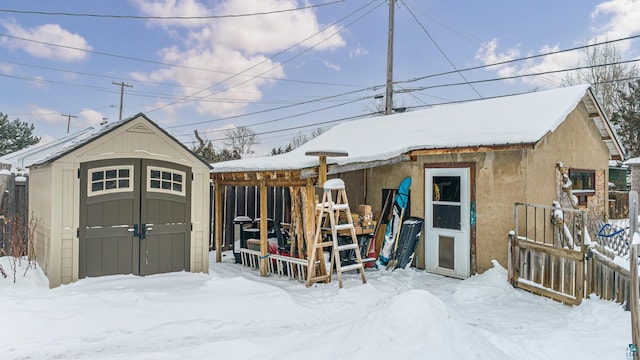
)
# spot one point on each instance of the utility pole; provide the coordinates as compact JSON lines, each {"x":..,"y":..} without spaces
{"x":68,"y":116}
{"x":122,"y":85}
{"x":388,"y":108}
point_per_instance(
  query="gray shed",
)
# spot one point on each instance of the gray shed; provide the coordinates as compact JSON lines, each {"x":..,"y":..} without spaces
{"x":125,"y":199}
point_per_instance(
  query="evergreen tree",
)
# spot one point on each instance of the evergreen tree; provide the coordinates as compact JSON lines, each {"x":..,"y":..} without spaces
{"x":15,"y":135}
{"x":627,"y":119}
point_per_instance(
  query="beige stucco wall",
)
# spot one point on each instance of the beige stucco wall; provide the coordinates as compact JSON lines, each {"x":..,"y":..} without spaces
{"x":501,"y":179}
{"x":54,"y":195}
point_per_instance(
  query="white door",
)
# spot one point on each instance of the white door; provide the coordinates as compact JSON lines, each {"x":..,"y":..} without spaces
{"x":447,"y":235}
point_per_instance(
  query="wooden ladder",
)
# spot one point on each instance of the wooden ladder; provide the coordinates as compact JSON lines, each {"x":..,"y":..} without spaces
{"x":329,"y":210}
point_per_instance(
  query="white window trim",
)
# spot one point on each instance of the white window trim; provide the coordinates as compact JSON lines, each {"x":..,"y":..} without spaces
{"x":90,"y":182}
{"x":172,"y":171}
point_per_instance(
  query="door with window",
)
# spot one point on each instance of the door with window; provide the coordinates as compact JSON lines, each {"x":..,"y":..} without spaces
{"x":447,"y":221}
{"x":134,"y":217}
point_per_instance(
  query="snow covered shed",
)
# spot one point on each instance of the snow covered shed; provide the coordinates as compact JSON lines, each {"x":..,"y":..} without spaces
{"x":127,"y":198}
{"x":469,"y":163}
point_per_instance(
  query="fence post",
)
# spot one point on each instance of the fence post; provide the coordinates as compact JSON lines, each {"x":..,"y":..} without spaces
{"x":511,"y":258}
{"x":633,"y":268}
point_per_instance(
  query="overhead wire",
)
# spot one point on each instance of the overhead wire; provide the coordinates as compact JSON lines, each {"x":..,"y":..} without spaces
{"x":435,"y":43}
{"x":191,"y":17}
{"x":522,"y":75}
{"x":281,"y":52}
{"x":530,"y":57}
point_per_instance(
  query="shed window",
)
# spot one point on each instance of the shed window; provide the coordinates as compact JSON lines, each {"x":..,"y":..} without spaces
{"x":110,"y":179}
{"x":166,"y":180}
{"x":584,"y":184}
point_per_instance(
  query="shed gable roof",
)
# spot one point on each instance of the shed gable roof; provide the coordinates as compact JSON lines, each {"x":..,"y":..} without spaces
{"x":490,"y":123}
{"x":148,"y":127}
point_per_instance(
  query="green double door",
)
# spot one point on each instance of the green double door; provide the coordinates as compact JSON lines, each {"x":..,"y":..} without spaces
{"x":134,"y":217}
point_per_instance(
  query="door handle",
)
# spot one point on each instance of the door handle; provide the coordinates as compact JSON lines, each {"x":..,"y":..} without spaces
{"x":134,"y":230}
{"x":145,"y":229}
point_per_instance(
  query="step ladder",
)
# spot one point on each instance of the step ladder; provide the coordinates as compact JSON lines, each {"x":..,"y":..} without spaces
{"x":329,"y":212}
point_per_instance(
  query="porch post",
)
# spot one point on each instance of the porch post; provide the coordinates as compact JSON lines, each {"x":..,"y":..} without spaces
{"x":218,"y":220}
{"x":264,"y":246}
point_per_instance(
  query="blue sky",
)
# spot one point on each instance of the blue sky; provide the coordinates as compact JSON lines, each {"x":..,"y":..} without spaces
{"x":280,"y":74}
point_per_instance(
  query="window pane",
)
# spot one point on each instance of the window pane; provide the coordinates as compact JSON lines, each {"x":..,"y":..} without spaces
{"x":155,"y":184}
{"x":110,"y":184}
{"x":98,"y":175}
{"x":155,"y":174}
{"x":111,"y":174}
{"x":123,"y":173}
{"x":177,"y":187}
{"x":446,"y":252}
{"x":123,"y":183}
{"x":166,"y":185}
{"x":177,"y":178}
{"x":446,"y":216}
{"x":583,"y":180}
{"x":446,"y":188}
{"x":166,"y":175}
{"x":96,"y":186}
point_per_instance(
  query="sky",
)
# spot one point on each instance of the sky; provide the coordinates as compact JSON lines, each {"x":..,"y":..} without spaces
{"x":282,"y":68}
{"x":232,"y":312}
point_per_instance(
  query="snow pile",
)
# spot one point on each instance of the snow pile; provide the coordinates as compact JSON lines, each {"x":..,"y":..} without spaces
{"x":234,"y":313}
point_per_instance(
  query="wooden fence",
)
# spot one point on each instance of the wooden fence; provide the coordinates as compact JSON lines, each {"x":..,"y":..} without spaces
{"x":245,"y":201}
{"x":14,"y":204}
{"x":541,"y":262}
{"x":546,"y":252}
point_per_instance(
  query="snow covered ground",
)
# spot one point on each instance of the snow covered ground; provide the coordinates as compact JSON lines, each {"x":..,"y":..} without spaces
{"x":232,"y":313}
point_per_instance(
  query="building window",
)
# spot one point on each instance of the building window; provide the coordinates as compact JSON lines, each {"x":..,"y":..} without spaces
{"x":110,"y":179}
{"x":165,"y":180}
{"x":584,"y":184}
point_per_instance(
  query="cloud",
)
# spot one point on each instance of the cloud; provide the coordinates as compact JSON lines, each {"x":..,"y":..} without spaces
{"x":612,"y":19}
{"x":45,"y":34}
{"x":242,"y":53}
{"x":357,"y":52}
{"x":173,"y":8}
{"x":620,"y":18}
{"x":488,"y":55}
{"x":89,"y":117}
{"x":331,"y":65}
{"x":48,"y":116}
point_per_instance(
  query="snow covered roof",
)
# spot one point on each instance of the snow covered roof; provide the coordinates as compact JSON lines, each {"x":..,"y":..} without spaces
{"x":22,"y":159}
{"x":79,"y":141}
{"x":44,"y":153}
{"x":508,"y":120}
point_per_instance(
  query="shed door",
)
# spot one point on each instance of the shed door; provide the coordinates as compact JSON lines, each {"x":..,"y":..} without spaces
{"x":447,"y":203}
{"x":134,"y":217}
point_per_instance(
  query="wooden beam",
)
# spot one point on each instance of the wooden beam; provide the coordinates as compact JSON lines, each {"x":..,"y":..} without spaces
{"x":264,"y":245}
{"x":322,"y":170}
{"x":322,"y":167}
{"x":468,"y":149}
{"x":268,"y":182}
{"x":218,"y":220}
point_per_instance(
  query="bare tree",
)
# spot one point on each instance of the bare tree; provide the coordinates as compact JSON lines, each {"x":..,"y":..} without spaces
{"x":240,"y":140}
{"x":607,"y":76}
{"x":206,"y":151}
{"x":297,"y":141}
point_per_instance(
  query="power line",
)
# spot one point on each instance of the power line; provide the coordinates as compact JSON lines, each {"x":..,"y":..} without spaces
{"x":519,"y":76}
{"x":204,"y":17}
{"x":273,"y":109}
{"x":440,"y":49}
{"x":166,"y":84}
{"x":278,"y":54}
{"x":520,"y":59}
